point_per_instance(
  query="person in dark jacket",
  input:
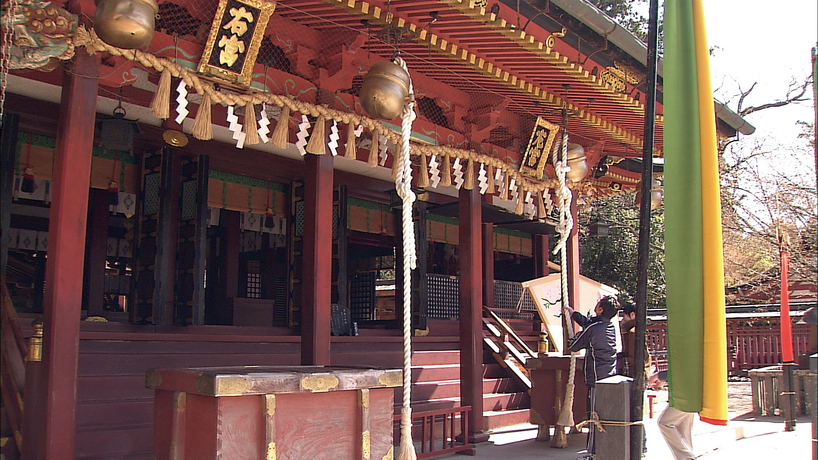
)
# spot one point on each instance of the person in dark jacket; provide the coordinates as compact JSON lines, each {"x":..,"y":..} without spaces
{"x":598,"y":338}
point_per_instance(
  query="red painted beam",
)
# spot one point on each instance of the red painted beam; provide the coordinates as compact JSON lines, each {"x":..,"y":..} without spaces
{"x":471,"y":309}
{"x":316,"y":281}
{"x":66,"y":254}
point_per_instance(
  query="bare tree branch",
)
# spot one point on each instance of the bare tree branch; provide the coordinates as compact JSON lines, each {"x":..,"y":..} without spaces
{"x":795,"y":93}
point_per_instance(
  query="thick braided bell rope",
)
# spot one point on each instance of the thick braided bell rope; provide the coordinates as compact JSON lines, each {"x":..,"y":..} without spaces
{"x":403,"y":185}
{"x":564,"y":227}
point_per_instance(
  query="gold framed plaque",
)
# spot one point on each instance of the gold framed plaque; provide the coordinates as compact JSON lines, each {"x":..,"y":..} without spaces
{"x":235,"y":37}
{"x":539,"y":148}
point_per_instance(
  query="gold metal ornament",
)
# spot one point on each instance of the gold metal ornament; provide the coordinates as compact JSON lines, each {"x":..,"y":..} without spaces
{"x":232,"y":386}
{"x":384,"y":90}
{"x":153,"y":379}
{"x":319,"y":383}
{"x":35,"y":343}
{"x":391,"y":378}
{"x":175,"y":138}
{"x":127,"y":24}
{"x":576,"y":160}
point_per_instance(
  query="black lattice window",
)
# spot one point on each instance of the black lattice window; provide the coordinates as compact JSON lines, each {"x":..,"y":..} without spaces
{"x":510,"y":294}
{"x":362,"y":296}
{"x":335,"y":222}
{"x":280,"y":303}
{"x":443,"y":296}
{"x":188,"y":211}
{"x":151,"y":200}
{"x":254,"y":279}
{"x":299,"y":218}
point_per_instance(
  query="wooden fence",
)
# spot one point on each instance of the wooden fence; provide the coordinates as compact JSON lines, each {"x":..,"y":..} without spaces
{"x":751,"y":343}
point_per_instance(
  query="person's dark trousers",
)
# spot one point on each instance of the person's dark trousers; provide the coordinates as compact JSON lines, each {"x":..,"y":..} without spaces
{"x":589,"y":445}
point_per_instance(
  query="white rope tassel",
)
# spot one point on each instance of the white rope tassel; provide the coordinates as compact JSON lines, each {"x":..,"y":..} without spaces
{"x":403,"y":185}
{"x":560,"y":159}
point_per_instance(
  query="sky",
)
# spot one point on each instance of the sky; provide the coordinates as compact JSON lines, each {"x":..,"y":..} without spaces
{"x":765,"y":42}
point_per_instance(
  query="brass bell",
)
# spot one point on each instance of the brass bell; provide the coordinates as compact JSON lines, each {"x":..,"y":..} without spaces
{"x":126,"y":24}
{"x":384,"y":91}
{"x":576,"y":160}
{"x":656,"y":195}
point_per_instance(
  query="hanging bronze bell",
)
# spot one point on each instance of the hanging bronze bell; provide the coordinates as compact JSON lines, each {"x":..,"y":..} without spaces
{"x":126,"y":24}
{"x":384,"y":91}
{"x":576,"y":160}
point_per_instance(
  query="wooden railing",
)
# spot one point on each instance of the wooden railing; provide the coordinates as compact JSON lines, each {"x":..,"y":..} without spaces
{"x":449,"y":440}
{"x":12,"y":365}
{"x":752,"y":342}
{"x":506,"y":346}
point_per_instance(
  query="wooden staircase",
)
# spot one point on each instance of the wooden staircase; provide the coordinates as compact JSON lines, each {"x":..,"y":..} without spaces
{"x":436,"y":385}
{"x":506,"y":346}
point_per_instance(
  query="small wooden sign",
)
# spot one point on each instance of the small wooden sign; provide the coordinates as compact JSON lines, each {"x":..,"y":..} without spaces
{"x":539,"y":148}
{"x":234,"y":40}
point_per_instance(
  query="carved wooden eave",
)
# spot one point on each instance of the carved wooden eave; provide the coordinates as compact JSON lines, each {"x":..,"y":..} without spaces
{"x":465,"y":51}
{"x":466,"y":41}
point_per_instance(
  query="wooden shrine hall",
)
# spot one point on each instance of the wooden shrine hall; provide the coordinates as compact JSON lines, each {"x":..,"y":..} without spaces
{"x":209,"y":192}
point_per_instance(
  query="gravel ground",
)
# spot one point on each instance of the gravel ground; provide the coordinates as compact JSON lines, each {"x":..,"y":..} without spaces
{"x":739,"y":398}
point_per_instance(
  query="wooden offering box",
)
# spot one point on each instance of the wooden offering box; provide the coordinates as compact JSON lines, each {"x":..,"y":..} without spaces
{"x":284,"y":413}
{"x":549,"y":379}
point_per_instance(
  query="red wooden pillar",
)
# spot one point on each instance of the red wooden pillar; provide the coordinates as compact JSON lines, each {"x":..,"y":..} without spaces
{"x":488,"y":264}
{"x":471,"y":309}
{"x":66,"y":254}
{"x":316,"y":282}
{"x":573,"y":260}
{"x":541,"y":254}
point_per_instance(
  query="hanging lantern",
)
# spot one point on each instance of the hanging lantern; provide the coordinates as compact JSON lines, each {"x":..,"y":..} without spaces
{"x":117,"y":133}
{"x":384,"y":91}
{"x":126,"y":24}
{"x":599,"y":229}
{"x":576,"y":160}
